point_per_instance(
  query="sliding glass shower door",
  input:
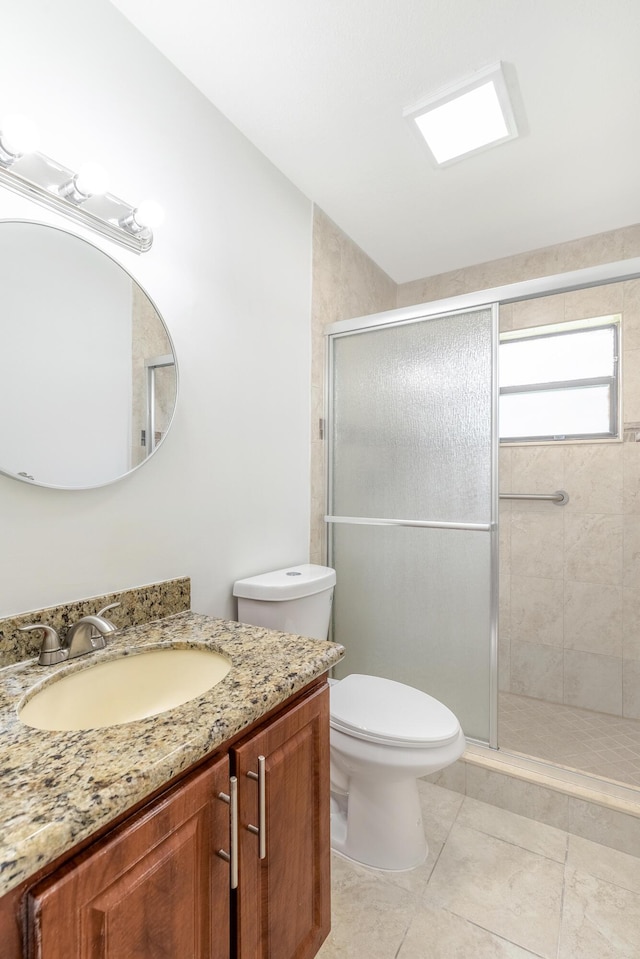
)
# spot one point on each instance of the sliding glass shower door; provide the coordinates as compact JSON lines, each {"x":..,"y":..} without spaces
{"x":412,"y":506}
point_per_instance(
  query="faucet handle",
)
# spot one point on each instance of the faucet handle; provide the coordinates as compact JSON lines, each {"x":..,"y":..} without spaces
{"x":51,"y":651}
{"x":97,"y":638}
{"x":106,"y":610}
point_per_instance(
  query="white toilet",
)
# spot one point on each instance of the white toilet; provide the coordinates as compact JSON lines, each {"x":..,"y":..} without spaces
{"x":384,"y":735}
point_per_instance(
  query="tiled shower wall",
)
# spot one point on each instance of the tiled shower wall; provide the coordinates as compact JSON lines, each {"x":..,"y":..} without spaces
{"x":570,"y":575}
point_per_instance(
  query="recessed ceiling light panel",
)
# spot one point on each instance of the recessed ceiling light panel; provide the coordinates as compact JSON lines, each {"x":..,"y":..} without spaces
{"x":466,"y":117}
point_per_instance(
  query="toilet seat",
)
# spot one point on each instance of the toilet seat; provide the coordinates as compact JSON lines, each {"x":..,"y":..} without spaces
{"x":384,"y":711}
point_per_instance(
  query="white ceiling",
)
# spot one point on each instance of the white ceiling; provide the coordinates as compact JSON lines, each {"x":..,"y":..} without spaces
{"x":319,"y":86}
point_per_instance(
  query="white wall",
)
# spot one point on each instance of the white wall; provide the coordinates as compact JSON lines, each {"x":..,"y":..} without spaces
{"x":227,"y":493}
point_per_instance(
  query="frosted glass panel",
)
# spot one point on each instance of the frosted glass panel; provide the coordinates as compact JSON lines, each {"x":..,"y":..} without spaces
{"x":414,"y":605}
{"x":571,"y":412}
{"x":412,"y":421}
{"x":411,"y":436}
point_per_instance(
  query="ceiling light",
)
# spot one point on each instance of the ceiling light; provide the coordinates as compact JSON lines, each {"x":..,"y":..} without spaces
{"x":465,"y":117}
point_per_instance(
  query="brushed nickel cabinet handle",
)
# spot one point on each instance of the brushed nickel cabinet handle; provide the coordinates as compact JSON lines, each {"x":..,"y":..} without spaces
{"x":261,"y":829}
{"x":232,"y":856}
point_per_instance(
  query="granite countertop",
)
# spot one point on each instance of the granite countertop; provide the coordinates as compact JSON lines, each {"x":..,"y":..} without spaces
{"x":57,"y":788}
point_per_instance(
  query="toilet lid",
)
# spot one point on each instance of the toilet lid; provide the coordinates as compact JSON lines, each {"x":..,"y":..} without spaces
{"x":383,"y":711}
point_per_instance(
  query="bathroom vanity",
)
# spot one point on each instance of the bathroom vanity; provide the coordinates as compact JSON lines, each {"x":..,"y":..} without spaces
{"x":130,"y":847}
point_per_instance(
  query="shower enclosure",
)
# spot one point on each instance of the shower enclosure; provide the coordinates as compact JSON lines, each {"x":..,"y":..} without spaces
{"x":412,"y":512}
{"x":412,"y":479}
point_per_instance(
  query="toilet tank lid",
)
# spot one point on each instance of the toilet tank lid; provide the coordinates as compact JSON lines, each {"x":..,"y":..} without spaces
{"x":292,"y":582}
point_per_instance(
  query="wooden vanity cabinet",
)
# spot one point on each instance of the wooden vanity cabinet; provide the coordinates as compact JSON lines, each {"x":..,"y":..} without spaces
{"x":156,"y":887}
{"x":284,"y":898}
{"x":153,"y":888}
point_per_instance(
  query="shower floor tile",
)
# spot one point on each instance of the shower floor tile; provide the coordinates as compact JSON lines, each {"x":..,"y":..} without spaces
{"x":593,"y":743}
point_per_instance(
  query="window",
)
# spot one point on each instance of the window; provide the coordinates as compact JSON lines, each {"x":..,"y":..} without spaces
{"x":560,"y":382}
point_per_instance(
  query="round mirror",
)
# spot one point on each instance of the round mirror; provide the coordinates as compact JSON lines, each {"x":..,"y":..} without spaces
{"x":88,"y":375}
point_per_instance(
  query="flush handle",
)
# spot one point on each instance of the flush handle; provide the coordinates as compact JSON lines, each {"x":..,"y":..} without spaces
{"x":261,"y":829}
{"x":232,"y":856}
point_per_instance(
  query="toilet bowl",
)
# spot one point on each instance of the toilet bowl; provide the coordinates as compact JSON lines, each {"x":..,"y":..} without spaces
{"x":384,"y":735}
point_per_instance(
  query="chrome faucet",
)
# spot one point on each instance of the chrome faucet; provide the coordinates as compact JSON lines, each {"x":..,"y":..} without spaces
{"x":86,"y":636}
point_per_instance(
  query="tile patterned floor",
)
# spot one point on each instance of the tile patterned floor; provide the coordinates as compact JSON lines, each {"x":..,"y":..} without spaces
{"x":495,"y":886}
{"x":595,"y":743}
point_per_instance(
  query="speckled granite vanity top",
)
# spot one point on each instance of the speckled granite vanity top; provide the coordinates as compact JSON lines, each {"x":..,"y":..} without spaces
{"x":57,"y":788}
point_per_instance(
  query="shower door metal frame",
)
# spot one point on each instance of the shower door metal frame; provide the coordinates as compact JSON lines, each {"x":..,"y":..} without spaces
{"x":598,"y":275}
{"x":410,"y":318}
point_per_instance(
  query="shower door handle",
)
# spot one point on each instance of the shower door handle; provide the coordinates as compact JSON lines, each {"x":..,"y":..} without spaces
{"x":261,"y":829}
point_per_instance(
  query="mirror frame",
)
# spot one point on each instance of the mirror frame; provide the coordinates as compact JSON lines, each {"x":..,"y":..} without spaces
{"x":156,"y":447}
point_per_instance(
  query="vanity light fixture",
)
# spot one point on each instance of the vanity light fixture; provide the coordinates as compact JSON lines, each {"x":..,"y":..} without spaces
{"x":80,"y":196}
{"x":465,"y":117}
{"x":18,"y":135}
{"x":90,"y":180}
{"x":147,"y":216}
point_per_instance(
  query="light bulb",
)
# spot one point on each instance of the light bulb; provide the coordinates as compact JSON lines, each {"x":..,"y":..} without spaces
{"x":149,"y":214}
{"x":91,"y":179}
{"x":19,"y":136}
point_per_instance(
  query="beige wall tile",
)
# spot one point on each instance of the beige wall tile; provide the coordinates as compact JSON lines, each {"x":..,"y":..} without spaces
{"x":630,"y":236}
{"x":596,"y":301}
{"x":525,"y":798}
{"x":452,"y":777}
{"x":603,"y":825}
{"x":541,"y":311}
{"x":506,"y":317}
{"x":537,"y":469}
{"x":535,"y":836}
{"x":631,"y":623}
{"x":593,"y":548}
{"x":504,"y":533}
{"x":536,"y":671}
{"x":593,"y":618}
{"x":505,"y":460}
{"x":504,"y":664}
{"x":588,"y":251}
{"x":592,"y":681}
{"x":632,"y":551}
{"x":631,"y":386}
{"x":536,"y":610}
{"x":504,"y":597}
{"x":631,"y":688}
{"x":631,"y":477}
{"x":593,"y":477}
{"x":537,"y":542}
{"x":631,"y":310}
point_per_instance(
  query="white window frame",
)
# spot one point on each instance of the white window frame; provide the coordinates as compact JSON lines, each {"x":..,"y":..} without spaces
{"x":555,"y":329}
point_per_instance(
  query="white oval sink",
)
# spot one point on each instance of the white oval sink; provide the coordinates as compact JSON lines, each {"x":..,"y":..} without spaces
{"x":125,"y":689}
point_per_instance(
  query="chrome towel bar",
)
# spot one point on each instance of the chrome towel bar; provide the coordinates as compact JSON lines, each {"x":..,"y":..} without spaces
{"x":559,"y":498}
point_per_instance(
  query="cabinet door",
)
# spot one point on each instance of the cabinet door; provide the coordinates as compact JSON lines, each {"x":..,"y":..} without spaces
{"x":152,"y":889}
{"x":284,"y":899}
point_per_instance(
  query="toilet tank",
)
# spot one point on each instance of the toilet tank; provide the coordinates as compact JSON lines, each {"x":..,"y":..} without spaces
{"x":294,"y":600}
